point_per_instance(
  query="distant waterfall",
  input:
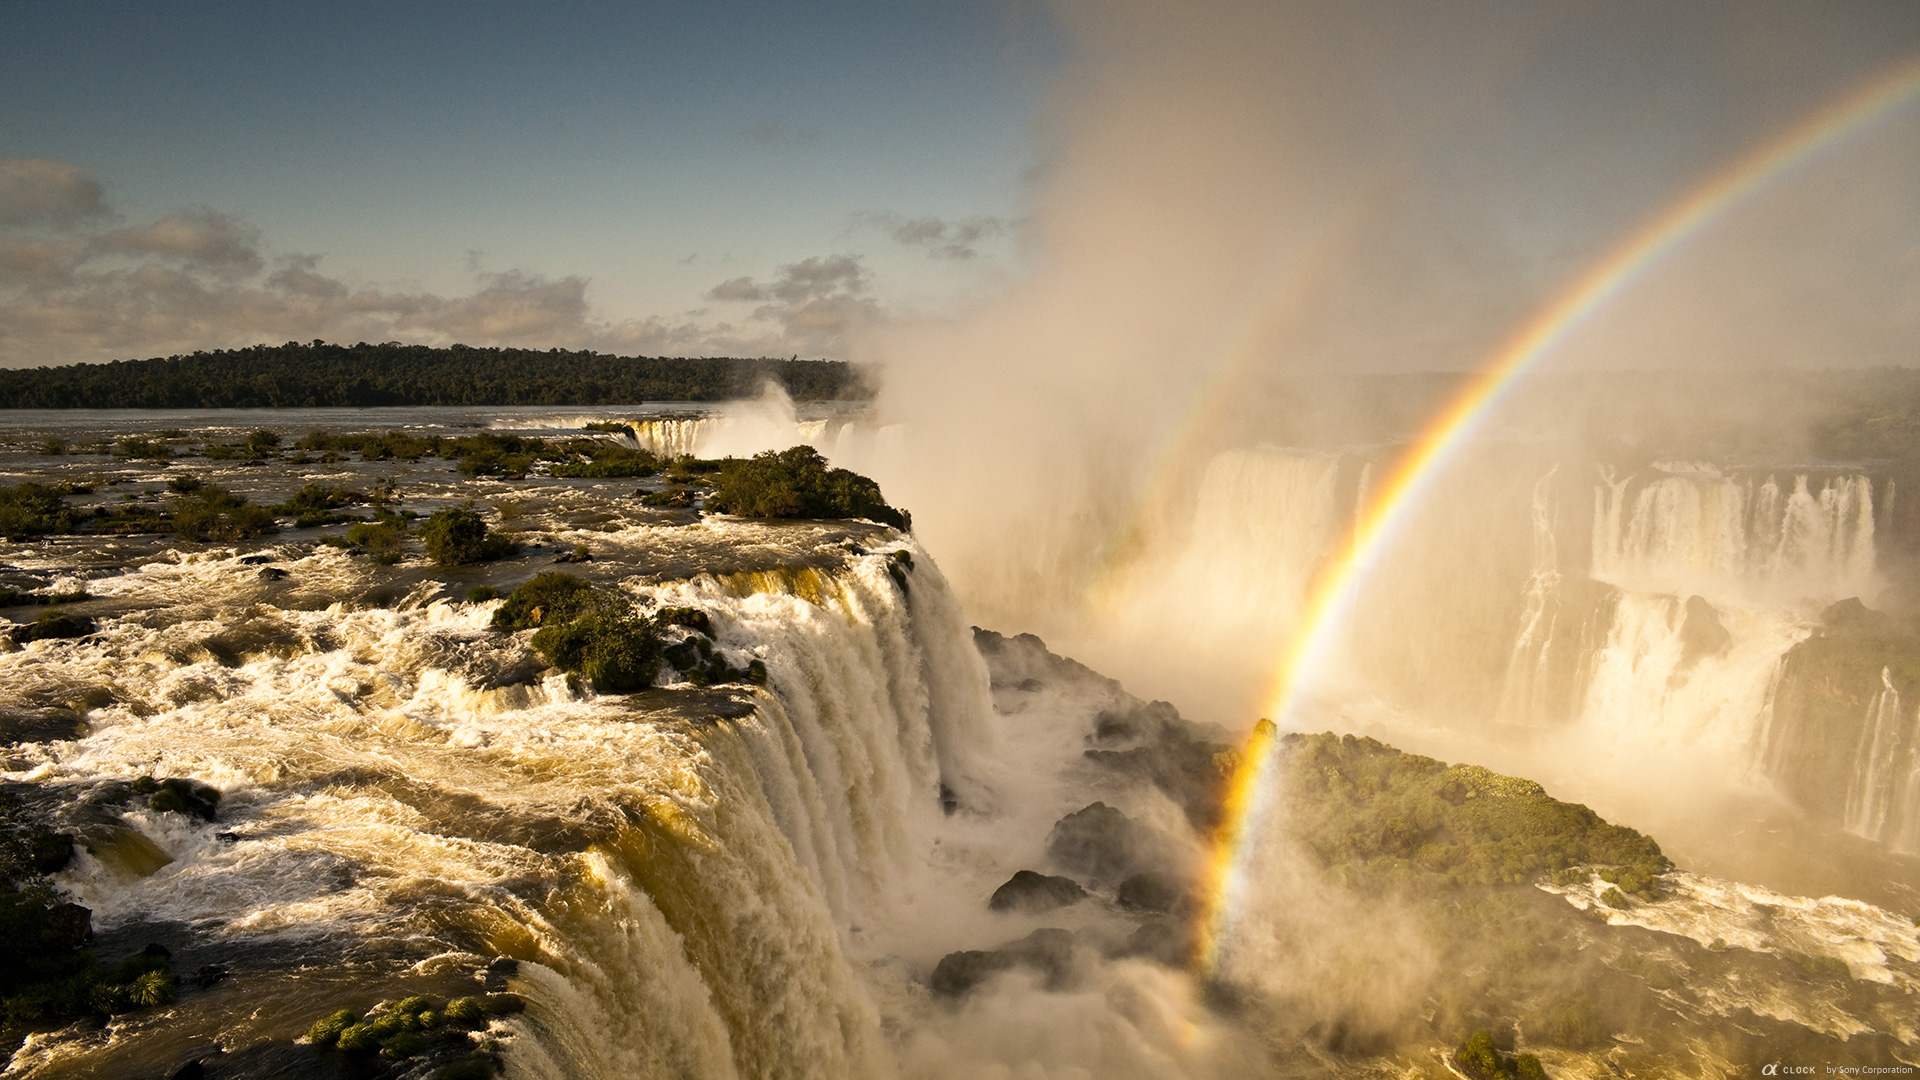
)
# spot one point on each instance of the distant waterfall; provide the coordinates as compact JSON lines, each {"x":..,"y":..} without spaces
{"x":1701,"y":532}
{"x":671,"y":438}
{"x":1883,"y":747}
{"x":1684,"y":677}
{"x":1525,"y":690}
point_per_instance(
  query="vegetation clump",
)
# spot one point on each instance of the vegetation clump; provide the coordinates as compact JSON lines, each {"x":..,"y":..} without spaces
{"x":598,"y":633}
{"x":797,"y":483}
{"x":1370,"y":812}
{"x":1480,"y":1059}
{"x":211,"y":512}
{"x":412,"y":1027}
{"x":592,"y":458}
{"x":315,"y":505}
{"x":459,"y":536}
{"x":28,"y":510}
{"x":554,"y":594}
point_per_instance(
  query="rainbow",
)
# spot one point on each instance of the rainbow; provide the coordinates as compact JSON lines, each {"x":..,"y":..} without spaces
{"x":1334,"y":587}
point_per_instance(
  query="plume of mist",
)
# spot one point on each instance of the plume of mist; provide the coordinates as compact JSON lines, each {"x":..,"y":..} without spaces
{"x":1239,"y":195}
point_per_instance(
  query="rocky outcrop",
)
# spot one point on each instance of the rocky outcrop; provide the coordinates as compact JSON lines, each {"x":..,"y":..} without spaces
{"x":1029,"y":892}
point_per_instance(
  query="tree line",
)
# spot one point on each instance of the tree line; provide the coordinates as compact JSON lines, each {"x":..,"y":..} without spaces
{"x":318,"y":374}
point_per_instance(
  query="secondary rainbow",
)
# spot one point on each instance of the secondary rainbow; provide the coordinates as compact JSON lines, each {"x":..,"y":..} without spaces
{"x":1332,"y":591}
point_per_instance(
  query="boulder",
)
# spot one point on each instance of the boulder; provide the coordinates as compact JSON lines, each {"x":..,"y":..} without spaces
{"x":1101,"y":844}
{"x":1153,"y":891}
{"x":1048,"y":951}
{"x":1032,"y":893}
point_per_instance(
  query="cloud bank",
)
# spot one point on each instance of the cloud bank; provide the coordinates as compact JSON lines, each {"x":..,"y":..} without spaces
{"x":78,"y":284}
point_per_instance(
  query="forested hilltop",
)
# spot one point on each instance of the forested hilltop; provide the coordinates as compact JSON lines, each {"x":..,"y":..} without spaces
{"x":298,"y":375}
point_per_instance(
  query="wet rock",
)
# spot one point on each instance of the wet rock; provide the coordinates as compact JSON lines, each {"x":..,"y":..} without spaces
{"x":272,"y":573}
{"x":1848,"y":614}
{"x":256,"y":637}
{"x":1701,"y":633}
{"x":1164,"y":941}
{"x":71,"y":923}
{"x":180,"y":796}
{"x":209,"y":974}
{"x":1048,"y":952}
{"x":1102,"y":844}
{"x":1137,"y":720}
{"x":255,"y":560}
{"x":52,"y":624}
{"x":1191,"y":772}
{"x":1032,"y":893}
{"x":1153,"y":891}
{"x":39,"y":725}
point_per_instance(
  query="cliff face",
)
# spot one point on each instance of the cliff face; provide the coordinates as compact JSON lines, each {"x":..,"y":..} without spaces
{"x":1841,"y":740}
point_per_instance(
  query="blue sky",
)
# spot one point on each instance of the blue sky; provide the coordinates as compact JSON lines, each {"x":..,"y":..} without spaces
{"x":653,"y":150}
{"x":1119,"y":180}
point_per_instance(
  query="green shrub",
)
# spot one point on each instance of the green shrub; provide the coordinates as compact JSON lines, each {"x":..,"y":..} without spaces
{"x":465,"y":1010}
{"x":480,"y":594}
{"x":387,"y":535}
{"x":33,"y":510}
{"x":1480,"y":1059}
{"x":1614,"y":898}
{"x":797,"y":483}
{"x":211,"y":512}
{"x":552,"y":594}
{"x":606,"y":641}
{"x":326,"y":1030}
{"x":458,"y":536}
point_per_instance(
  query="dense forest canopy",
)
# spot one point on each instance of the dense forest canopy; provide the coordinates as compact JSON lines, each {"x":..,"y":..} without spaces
{"x":317,"y":374}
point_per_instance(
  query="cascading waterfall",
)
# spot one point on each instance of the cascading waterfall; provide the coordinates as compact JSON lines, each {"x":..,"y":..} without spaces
{"x":671,"y":438}
{"x":1524,"y":692}
{"x":682,"y":888}
{"x":1695,"y":530}
{"x":1884,"y":738}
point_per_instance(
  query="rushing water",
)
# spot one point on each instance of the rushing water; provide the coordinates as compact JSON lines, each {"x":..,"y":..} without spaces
{"x":742,"y":881}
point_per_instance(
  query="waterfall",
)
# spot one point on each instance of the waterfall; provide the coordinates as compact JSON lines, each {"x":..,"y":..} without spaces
{"x":1685,"y":680}
{"x":1524,"y":691}
{"x":672,"y":438}
{"x":1870,"y":796}
{"x":687,"y":890}
{"x":1694,"y":530}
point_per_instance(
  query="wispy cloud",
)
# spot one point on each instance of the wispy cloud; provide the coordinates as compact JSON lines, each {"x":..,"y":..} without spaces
{"x":942,"y":238}
{"x":818,"y":303}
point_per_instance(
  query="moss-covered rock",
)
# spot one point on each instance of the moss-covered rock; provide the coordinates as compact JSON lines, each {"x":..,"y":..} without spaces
{"x":54,"y":623}
{"x":1371,"y":813}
